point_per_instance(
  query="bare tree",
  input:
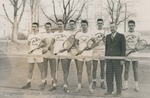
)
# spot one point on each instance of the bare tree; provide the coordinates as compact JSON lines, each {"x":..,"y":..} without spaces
{"x":69,"y":9}
{"x":33,"y":5}
{"x":18,"y":5}
{"x":116,"y":9}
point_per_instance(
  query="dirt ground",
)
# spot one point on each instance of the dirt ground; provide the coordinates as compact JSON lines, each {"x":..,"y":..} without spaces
{"x":13,"y":75}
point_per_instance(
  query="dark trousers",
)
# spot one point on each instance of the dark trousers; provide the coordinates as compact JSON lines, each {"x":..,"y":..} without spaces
{"x":113,"y":68}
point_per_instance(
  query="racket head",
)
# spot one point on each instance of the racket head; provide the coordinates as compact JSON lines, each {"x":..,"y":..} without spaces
{"x":90,"y":43}
{"x":141,"y":45}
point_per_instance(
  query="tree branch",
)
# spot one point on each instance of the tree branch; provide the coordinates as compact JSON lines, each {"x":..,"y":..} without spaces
{"x":7,"y":14}
{"x":47,"y":16}
{"x":23,"y":7}
{"x":54,"y":10}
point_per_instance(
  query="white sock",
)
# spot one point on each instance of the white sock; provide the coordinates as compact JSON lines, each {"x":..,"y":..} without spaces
{"x":79,"y":85}
{"x":29,"y":80}
{"x":52,"y":79}
{"x":126,"y":83}
{"x":90,"y":85}
{"x":43,"y":80}
{"x":94,"y":80}
{"x":64,"y":85}
{"x":136,"y":84}
{"x":54,"y":84}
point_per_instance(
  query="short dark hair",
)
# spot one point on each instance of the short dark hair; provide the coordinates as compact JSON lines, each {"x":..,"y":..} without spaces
{"x":60,"y":20}
{"x":85,"y":21}
{"x":72,"y":21}
{"x":100,"y":19}
{"x":131,"y":21}
{"x":35,"y":23}
{"x":48,"y":23}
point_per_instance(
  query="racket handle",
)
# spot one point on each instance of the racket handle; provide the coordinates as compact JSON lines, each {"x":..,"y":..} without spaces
{"x":55,"y":53}
{"x":79,"y":53}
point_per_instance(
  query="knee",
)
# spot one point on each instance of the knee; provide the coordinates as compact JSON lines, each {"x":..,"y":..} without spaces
{"x":88,"y":73}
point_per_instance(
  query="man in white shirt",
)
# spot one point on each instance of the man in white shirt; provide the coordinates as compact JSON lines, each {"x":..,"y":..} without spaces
{"x":35,"y":43}
{"x":83,"y":37}
{"x":99,"y":50}
{"x":132,"y":37}
{"x":48,"y":51}
{"x":60,"y":37}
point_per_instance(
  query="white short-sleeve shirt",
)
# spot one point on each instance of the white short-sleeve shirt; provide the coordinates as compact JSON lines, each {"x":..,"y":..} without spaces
{"x":60,"y":38}
{"x":83,"y":39}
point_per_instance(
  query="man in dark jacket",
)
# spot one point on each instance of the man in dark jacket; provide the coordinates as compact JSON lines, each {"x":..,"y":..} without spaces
{"x":115,"y":46}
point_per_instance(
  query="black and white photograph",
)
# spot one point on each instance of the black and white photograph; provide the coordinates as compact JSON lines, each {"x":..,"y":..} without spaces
{"x":74,"y":49}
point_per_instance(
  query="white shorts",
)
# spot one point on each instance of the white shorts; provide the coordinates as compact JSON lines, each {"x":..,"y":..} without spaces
{"x":36,"y":59}
{"x":85,"y":53}
{"x":98,"y":53}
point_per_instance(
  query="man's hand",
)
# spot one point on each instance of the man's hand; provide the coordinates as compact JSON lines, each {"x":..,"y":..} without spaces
{"x":122,"y":62}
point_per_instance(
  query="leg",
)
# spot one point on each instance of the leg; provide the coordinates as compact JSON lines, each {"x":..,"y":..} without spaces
{"x":136,"y":76}
{"x":95,"y":63}
{"x":53,"y":70}
{"x":118,"y":75}
{"x":126,"y":74}
{"x":41,"y":68}
{"x":102,"y":66}
{"x":30,"y":74}
{"x":53,"y":74}
{"x":79,"y":67}
{"x":94,"y":71}
{"x":109,"y":76}
{"x":88,"y":69}
{"x":65,"y":68}
{"x":45,"y":67}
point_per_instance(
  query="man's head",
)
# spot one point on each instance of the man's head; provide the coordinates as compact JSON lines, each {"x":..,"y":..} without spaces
{"x":48,"y":26}
{"x":60,"y":24}
{"x":131,"y":25}
{"x":35,"y":26}
{"x":113,"y":27}
{"x":100,"y":23}
{"x":84,"y":25}
{"x":72,"y":24}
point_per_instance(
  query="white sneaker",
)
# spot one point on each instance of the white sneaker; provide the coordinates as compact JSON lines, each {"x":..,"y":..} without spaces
{"x":125,"y":87}
{"x":91,"y":90}
{"x":78,"y":89}
{"x":137,"y":89}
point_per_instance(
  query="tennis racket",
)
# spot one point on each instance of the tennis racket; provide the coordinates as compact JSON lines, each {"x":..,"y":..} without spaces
{"x":99,"y":37}
{"x":39,"y":46}
{"x":89,"y":46}
{"x":141,"y":45}
{"x":68,"y":44}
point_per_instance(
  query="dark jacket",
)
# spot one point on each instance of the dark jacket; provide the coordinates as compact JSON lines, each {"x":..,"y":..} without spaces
{"x":115,"y":47}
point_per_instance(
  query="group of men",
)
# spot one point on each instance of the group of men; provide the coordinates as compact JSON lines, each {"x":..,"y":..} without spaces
{"x":113,"y":44}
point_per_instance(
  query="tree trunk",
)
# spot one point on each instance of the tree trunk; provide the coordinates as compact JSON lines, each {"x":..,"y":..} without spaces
{"x":14,"y":31}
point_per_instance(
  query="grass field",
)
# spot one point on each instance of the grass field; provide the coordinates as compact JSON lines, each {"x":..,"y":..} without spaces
{"x":13,"y":75}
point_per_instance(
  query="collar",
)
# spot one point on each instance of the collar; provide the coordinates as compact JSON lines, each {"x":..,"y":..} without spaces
{"x":114,"y":34}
